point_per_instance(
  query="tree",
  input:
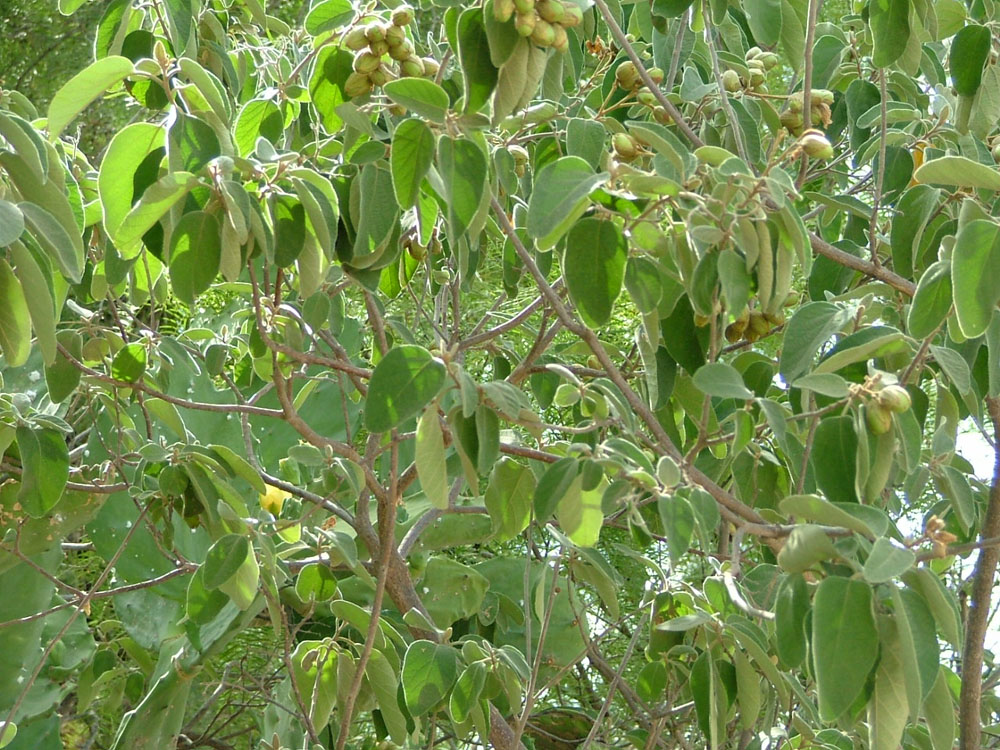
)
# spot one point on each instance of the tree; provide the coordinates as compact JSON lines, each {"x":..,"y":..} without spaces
{"x":536,"y":373}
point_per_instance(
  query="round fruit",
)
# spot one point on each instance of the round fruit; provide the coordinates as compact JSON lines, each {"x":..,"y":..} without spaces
{"x":543,"y":34}
{"x":412,"y":67}
{"x":627,"y":75}
{"x":625,"y":146}
{"x":366,"y":62}
{"x":552,"y":11}
{"x":731,"y":81}
{"x":357,"y":84}
{"x":356,"y":39}
{"x":503,"y":10}
{"x":816,"y":145}
{"x":879,"y":419}
{"x":402,"y":16}
{"x":894,"y":398}
{"x":525,"y":23}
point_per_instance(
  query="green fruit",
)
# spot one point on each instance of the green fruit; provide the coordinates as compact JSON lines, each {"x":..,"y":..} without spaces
{"x":394,"y":36}
{"x":626,"y":75}
{"x":402,"y":16}
{"x":574,"y":16}
{"x":412,"y":67}
{"x":792,"y":121}
{"x":379,"y":76}
{"x":375,"y":32}
{"x":431,"y":66}
{"x":378,"y":48}
{"x":552,"y":11}
{"x":519,"y":153}
{"x":757,"y":326}
{"x":894,"y":398}
{"x":731,"y":81}
{"x":524,"y":6}
{"x":356,"y":39}
{"x":753,"y":52}
{"x":816,"y":145}
{"x":543,"y":34}
{"x":525,"y":23}
{"x":561,"y":41}
{"x":769,"y":59}
{"x":357,"y":84}
{"x":366,"y":62}
{"x":503,"y":10}
{"x":402,"y":51}
{"x":646,"y":98}
{"x":879,"y":419}
{"x":657,"y":75}
{"x":625,"y":146}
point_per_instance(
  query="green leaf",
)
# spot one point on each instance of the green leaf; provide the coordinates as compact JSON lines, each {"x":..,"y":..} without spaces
{"x":824,"y":383}
{"x":314,"y":670}
{"x":809,"y":328}
{"x":404,"y":382}
{"x":559,"y":198}
{"x":815,"y":508}
{"x":422,"y":97}
{"x":890,"y":24}
{"x":580,"y":514}
{"x":932,"y":301}
{"x":842,"y":624}
{"x":289,"y":230}
{"x":225,"y":558}
{"x":15,"y":318}
{"x":941,"y":602}
{"x":939,"y":713}
{"x":463,"y":168}
{"x":154,"y":204}
{"x":195,"y":254}
{"x":975,"y":274}
{"x":45,"y":465}
{"x":203,"y":605}
{"x":509,"y":498}
{"x":722,"y":381}
{"x":378,"y":216}
{"x":764,"y":18}
{"x":411,"y":157}
{"x":129,"y":363}
{"x":54,"y":238}
{"x":886,"y":561}
{"x":954,"y":366}
{"x":131,"y":149}
{"x":957,"y":171}
{"x":259,"y":118}
{"x":834,"y":455}
{"x":553,"y":485}
{"x":315,"y":582}
{"x":678,"y":524}
{"x":62,"y":376}
{"x":38,"y":297}
{"x":970,"y":50}
{"x":430,"y":460}
{"x":11,"y":222}
{"x":805,"y":546}
{"x":83,"y":88}
{"x":8,"y":734}
{"x":594,"y":268}
{"x":887,"y":709}
{"x":791,"y":608}
{"x":451,"y":591}
{"x":382,"y":677}
{"x":429,"y":671}
{"x":327,"y":15}
{"x":478,"y":71}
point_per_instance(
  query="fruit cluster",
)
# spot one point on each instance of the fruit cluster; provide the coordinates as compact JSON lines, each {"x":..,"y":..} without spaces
{"x":544,"y":21}
{"x":879,"y":410}
{"x":752,"y":325}
{"x":819,"y":106}
{"x":627,"y":77}
{"x":758,"y":63}
{"x":376,"y":40}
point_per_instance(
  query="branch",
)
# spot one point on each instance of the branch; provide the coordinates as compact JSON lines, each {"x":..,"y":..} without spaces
{"x":970,"y":698}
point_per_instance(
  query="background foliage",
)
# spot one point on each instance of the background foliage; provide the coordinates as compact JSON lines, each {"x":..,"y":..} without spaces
{"x":535,"y":372}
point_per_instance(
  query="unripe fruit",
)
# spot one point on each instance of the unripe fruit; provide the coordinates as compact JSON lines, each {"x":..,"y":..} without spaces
{"x":769,"y":59}
{"x":402,"y":16}
{"x":378,"y":48}
{"x":657,"y":75}
{"x":402,"y":51}
{"x":416,"y":250}
{"x":412,"y":67}
{"x":397,"y":109}
{"x":380,"y":76}
{"x":753,"y":52}
{"x":734,"y":331}
{"x":574,"y":16}
{"x":375,"y":32}
{"x":395,"y":35}
{"x":561,"y":41}
{"x":431,"y":66}
{"x":525,"y":23}
{"x":816,"y":145}
{"x":626,"y":75}
{"x":731,"y":81}
{"x":356,"y":39}
{"x":357,"y":84}
{"x":524,"y":6}
{"x":775,"y":318}
{"x":894,"y":398}
{"x":792,"y":121}
{"x":552,"y":11}
{"x":661,"y":115}
{"x":646,"y":97}
{"x":625,"y":146}
{"x":879,"y":419}
{"x":503,"y":10}
{"x":757,"y":326}
{"x":366,"y":62}
{"x":543,"y":34}
{"x":996,"y":153}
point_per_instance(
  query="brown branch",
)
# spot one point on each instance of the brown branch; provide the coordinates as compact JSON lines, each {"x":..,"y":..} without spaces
{"x":970,"y":698}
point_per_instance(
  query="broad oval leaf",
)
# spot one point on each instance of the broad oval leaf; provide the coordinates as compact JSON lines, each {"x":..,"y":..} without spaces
{"x":721,"y":380}
{"x":224,"y":559}
{"x":404,"y":382}
{"x":83,"y":88}
{"x":975,"y":275}
{"x":958,"y":171}
{"x":15,"y":319}
{"x":559,"y":198}
{"x":429,"y":671}
{"x":594,"y":267}
{"x":195,"y":254}
{"x":410,"y":158}
{"x":842,"y":625}
{"x":419,"y":95}
{"x":11,"y":222}
{"x":45,"y":466}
